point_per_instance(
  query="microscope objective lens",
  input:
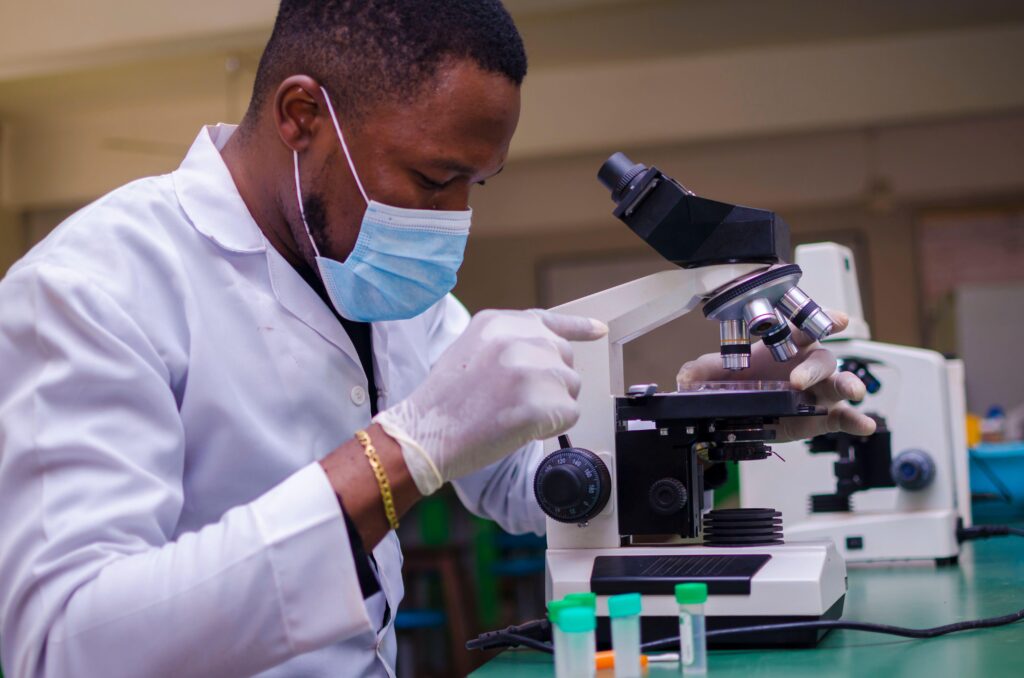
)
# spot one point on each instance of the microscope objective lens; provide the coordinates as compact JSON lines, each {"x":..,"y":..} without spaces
{"x":735,"y":344}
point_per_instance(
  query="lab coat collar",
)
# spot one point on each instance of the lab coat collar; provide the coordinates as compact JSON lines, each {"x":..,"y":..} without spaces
{"x":304,"y":303}
{"x":210,"y":198}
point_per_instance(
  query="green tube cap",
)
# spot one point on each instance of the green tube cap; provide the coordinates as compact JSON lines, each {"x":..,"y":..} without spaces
{"x":577,"y":619}
{"x":691,"y":594}
{"x":625,"y":605}
{"x":555,"y":608}
{"x":582,"y":598}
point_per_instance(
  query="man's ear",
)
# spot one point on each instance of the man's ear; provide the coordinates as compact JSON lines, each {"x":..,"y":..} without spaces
{"x":296,"y":111}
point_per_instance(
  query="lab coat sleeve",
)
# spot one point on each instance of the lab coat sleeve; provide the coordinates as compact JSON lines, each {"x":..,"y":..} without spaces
{"x":503,"y":491}
{"x":91,"y":465}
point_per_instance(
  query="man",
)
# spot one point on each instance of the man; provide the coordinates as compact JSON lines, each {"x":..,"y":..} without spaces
{"x":221,"y":388}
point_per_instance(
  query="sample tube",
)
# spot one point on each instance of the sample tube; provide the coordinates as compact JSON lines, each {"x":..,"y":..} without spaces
{"x":693,"y":652}
{"x":555,"y":608}
{"x":624,"y":612}
{"x":577,"y":624}
{"x":735,"y":344}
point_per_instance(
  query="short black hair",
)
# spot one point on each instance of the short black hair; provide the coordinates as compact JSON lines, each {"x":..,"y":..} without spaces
{"x":369,"y":51}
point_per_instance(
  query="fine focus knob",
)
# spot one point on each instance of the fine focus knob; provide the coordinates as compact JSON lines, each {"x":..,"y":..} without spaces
{"x":572,"y":485}
{"x":667,"y":496}
{"x":913,"y":469}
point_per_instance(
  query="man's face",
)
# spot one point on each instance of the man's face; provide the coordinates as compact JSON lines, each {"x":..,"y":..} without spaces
{"x":426,"y":154}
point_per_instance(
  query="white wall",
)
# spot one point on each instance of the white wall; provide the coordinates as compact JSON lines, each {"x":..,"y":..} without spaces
{"x":846,"y":118}
{"x":990,"y":325}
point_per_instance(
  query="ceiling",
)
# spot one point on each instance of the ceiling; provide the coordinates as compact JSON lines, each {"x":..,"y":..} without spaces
{"x":67,"y":36}
{"x":117,"y":88}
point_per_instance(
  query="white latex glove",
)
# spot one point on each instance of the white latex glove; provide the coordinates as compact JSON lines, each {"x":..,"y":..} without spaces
{"x":507,"y":380}
{"x":812,"y":369}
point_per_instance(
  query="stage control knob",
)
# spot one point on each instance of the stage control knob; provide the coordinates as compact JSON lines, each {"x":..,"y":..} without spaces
{"x":572,"y":485}
{"x":913,"y":469}
{"x":667,"y":496}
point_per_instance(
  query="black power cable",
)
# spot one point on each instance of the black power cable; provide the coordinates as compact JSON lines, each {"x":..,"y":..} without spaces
{"x":985,"y":531}
{"x":530,"y":634}
{"x":935,"y":631}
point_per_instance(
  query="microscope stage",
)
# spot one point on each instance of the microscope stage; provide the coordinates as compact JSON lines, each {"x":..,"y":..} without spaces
{"x":720,"y":400}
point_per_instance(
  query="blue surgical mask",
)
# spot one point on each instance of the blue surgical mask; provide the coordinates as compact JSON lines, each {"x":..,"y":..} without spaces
{"x":404,"y":260}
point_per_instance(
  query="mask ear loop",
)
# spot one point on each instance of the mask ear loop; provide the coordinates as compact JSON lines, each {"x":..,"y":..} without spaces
{"x":302,"y":209}
{"x":344,"y":146}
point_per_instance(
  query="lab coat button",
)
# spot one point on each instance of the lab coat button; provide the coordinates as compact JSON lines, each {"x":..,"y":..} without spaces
{"x":358,"y":395}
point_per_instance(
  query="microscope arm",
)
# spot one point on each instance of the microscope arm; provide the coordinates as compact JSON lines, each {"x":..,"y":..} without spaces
{"x":630,"y":310}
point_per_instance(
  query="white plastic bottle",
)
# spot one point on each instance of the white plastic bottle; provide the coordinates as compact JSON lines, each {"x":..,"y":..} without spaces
{"x":624,"y":612}
{"x":693,"y":649}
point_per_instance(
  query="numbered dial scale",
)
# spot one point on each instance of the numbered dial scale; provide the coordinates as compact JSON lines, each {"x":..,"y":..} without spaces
{"x":572,"y":485}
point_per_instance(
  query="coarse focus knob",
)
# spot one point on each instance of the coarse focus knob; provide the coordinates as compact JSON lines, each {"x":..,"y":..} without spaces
{"x":572,"y":485}
{"x":913,"y":469}
{"x":667,"y":496}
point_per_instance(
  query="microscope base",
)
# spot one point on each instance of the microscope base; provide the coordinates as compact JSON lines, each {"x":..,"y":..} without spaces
{"x":865,"y":536}
{"x":796,"y":581}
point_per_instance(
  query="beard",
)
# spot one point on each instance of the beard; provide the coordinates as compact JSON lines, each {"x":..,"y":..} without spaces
{"x":316,"y":219}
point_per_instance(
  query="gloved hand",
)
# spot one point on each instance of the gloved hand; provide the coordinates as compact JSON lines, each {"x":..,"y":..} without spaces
{"x":813,"y":368}
{"x":507,"y":380}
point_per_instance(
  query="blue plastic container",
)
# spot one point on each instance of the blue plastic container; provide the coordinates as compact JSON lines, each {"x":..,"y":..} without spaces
{"x":997,"y":481}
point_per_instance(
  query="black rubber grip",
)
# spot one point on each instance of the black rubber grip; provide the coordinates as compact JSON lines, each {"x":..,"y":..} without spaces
{"x":736,"y":349}
{"x":778,"y":335}
{"x":801,"y":317}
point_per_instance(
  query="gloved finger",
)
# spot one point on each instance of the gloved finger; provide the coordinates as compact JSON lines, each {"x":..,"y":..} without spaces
{"x":564,"y":349}
{"x":708,"y":367}
{"x":548,"y":342}
{"x":572,"y":327}
{"x":536,"y":354}
{"x":851,"y":421}
{"x":816,"y":365}
{"x":563,"y":418}
{"x":839,"y":322}
{"x":841,"y":417}
{"x":572,"y":381}
{"x":838,"y":387}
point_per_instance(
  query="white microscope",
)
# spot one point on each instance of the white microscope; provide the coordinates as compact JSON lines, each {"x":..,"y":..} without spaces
{"x":897,"y":495}
{"x":626,"y":497}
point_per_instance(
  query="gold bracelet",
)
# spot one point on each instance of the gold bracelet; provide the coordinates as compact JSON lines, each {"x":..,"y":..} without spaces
{"x":382,"y":478}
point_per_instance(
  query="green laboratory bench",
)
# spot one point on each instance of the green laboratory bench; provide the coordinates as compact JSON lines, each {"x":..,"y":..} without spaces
{"x":988,"y":582}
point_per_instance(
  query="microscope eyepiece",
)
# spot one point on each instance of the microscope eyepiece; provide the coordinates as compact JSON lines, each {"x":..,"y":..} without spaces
{"x":618,"y":173}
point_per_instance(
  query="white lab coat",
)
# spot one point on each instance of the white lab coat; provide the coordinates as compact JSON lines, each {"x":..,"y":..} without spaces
{"x":167,"y":383}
